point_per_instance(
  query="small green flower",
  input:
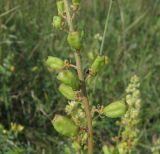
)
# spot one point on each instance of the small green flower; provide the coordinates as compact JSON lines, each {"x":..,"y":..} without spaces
{"x":67,"y":91}
{"x":115,"y":109}
{"x":64,"y":126}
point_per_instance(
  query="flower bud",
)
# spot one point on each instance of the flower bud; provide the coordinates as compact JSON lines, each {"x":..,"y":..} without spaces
{"x":69,"y":78}
{"x":55,"y":63}
{"x":74,"y":40}
{"x":57,"y":22}
{"x":64,"y":126}
{"x":98,"y":64}
{"x":67,"y":91}
{"x":115,"y":109}
{"x":60,"y":7}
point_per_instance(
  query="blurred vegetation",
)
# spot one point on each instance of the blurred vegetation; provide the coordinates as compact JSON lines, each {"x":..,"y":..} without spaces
{"x":28,"y":92}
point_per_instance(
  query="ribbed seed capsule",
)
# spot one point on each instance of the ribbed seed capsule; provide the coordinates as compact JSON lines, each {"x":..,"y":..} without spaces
{"x":115,"y":109}
{"x":67,"y":91}
{"x":75,"y":4}
{"x":55,"y":63}
{"x":60,"y":7}
{"x":69,"y":78}
{"x":57,"y":22}
{"x":74,"y":40}
{"x":98,"y":64}
{"x":64,"y":126}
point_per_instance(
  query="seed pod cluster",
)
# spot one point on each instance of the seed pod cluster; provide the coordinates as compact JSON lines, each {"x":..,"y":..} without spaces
{"x":115,"y":109}
{"x":64,"y":126}
{"x":55,"y":63}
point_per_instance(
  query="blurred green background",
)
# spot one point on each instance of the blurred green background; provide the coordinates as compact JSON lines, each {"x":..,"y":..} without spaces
{"x":28,"y":92}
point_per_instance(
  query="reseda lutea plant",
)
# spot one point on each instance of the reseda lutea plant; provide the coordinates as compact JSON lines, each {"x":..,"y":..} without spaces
{"x":77,"y":125}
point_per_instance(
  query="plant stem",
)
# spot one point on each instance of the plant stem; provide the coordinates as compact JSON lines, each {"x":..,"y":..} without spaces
{"x":83,"y":85}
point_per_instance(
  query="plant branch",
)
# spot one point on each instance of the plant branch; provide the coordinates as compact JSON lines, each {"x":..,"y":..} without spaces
{"x":83,"y":86}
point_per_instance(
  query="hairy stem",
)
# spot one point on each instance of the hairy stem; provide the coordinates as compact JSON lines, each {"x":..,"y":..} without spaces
{"x":83,"y":86}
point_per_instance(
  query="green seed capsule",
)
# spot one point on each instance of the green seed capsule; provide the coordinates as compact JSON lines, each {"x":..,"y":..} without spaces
{"x":64,"y":126}
{"x":57,"y":22}
{"x":115,"y":109}
{"x":98,"y":64}
{"x":60,"y":7}
{"x":74,"y":40}
{"x":76,"y":4}
{"x":67,"y":91}
{"x":69,"y":78}
{"x":55,"y":63}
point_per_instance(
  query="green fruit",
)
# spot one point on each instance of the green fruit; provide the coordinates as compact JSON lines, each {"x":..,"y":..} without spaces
{"x":55,"y":63}
{"x":67,"y":91}
{"x":74,"y":40}
{"x":75,"y":2}
{"x":98,"y":64}
{"x":64,"y":126}
{"x":60,"y":7}
{"x":69,"y":78}
{"x":57,"y":22}
{"x":106,"y":149}
{"x":1,"y":129}
{"x":115,"y":109}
